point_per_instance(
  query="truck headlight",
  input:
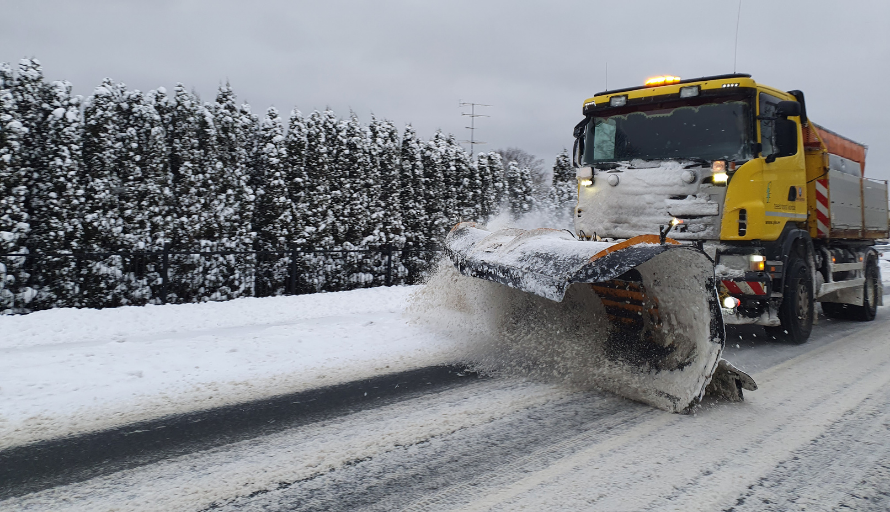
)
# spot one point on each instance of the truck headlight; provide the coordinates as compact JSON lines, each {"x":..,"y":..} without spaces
{"x":757,"y":262}
{"x":719,"y":178}
{"x":584,"y":176}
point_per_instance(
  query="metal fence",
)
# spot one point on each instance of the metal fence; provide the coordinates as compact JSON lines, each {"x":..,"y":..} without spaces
{"x":181,"y":276}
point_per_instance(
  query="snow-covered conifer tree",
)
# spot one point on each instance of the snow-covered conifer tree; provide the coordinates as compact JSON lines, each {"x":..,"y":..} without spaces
{"x":295,"y":146}
{"x":32,"y":97}
{"x":191,"y":143}
{"x":439,"y":193}
{"x":277,"y":222}
{"x":57,"y":199}
{"x":564,"y":189}
{"x":236,"y":132}
{"x":412,"y":198}
{"x":354,"y":176}
{"x":233,"y":132}
{"x":302,"y":198}
{"x":519,"y":186}
{"x":499,"y":180}
{"x":129,"y":197}
{"x":467,"y":184}
{"x":411,"y":188}
{"x":384,"y":212}
{"x":349,"y":147}
{"x":145,"y":197}
{"x":14,"y":226}
{"x":488,"y":195}
{"x":320,"y":173}
{"x":103,"y":226}
{"x":321,"y":129}
{"x":451,"y":177}
{"x":386,"y":196}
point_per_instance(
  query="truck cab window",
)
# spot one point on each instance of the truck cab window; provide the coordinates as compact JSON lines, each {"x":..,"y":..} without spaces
{"x":767,"y":126}
{"x":702,"y":128}
{"x":604,"y":139}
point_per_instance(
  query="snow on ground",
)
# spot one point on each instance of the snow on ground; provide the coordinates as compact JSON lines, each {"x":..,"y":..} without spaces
{"x":69,"y":370}
{"x":619,"y":456}
{"x":197,"y":481}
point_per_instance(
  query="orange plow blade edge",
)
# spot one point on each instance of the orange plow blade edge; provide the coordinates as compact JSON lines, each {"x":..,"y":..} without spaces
{"x":659,"y":300}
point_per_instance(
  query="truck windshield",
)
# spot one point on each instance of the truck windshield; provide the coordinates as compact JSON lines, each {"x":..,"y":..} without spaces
{"x":710,"y":131}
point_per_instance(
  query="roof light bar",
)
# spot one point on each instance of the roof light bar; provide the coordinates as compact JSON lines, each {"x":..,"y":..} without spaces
{"x":657,"y":81}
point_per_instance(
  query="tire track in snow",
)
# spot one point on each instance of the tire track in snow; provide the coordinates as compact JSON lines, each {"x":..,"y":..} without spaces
{"x":41,"y":465}
{"x":215,"y":477}
{"x":847,"y":467}
{"x":704,"y":462}
{"x":467,"y":460}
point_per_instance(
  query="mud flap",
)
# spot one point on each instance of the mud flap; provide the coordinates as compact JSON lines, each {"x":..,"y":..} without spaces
{"x":665,"y":331}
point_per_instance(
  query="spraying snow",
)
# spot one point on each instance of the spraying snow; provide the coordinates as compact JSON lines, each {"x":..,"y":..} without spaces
{"x":513,"y":333}
{"x":639,"y":318}
{"x":518,"y":334}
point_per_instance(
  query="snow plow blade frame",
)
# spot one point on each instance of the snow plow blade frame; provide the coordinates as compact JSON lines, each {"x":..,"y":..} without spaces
{"x":547,"y":262}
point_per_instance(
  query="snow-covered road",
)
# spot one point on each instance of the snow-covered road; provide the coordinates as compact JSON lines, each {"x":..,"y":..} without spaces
{"x":813,"y":437}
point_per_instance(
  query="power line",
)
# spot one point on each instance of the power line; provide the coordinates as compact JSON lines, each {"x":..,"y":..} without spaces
{"x":472,"y":115}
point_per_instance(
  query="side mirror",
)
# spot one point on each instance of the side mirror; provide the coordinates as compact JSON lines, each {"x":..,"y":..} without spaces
{"x":578,"y":148}
{"x":576,"y":153}
{"x":786,"y":109}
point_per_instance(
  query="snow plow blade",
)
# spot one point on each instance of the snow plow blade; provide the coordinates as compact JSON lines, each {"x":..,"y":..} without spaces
{"x":665,"y":327}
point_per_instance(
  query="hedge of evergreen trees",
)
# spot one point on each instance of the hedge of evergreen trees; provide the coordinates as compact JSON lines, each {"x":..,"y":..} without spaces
{"x":124,"y":174}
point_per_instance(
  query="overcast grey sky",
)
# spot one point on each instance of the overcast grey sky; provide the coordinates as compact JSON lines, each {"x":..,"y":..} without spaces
{"x":412,"y":61}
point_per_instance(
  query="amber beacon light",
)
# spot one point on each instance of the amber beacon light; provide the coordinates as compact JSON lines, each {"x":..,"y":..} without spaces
{"x":655,"y":81}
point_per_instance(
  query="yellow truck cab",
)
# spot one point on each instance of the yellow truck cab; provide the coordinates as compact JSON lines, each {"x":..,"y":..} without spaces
{"x":735,"y":167}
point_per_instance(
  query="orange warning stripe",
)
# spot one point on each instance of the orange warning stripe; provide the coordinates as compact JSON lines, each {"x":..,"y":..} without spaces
{"x":745,"y":287}
{"x":617,"y":292}
{"x":639,"y":239}
{"x":623,"y":305}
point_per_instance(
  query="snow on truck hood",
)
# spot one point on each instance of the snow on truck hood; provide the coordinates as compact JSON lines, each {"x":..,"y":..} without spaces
{"x":637,"y":197}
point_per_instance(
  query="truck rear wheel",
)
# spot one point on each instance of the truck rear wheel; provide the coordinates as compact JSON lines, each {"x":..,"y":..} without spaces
{"x":870,"y":296}
{"x":869,"y":308}
{"x":797,"y":308}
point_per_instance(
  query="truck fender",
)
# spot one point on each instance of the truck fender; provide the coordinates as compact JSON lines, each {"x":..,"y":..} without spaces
{"x":791,"y":236}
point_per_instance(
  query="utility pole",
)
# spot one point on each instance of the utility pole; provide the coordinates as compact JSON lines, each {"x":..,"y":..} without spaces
{"x":472,"y":115}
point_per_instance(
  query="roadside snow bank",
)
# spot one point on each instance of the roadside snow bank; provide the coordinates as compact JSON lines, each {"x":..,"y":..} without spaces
{"x":68,"y":370}
{"x":69,"y":325}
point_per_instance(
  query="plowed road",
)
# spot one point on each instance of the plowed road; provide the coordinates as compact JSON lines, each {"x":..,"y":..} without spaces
{"x":815,"y":436}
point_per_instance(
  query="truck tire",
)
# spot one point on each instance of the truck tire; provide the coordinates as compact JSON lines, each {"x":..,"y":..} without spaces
{"x":797,"y":308}
{"x":869,"y":308}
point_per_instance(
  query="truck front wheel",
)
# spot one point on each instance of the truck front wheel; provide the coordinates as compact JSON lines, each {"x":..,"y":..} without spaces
{"x":797,"y":308}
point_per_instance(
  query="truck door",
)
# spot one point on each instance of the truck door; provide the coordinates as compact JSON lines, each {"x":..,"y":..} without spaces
{"x":784,"y":175}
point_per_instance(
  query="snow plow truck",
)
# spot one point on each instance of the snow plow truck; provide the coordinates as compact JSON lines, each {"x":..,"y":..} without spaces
{"x":701,"y":203}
